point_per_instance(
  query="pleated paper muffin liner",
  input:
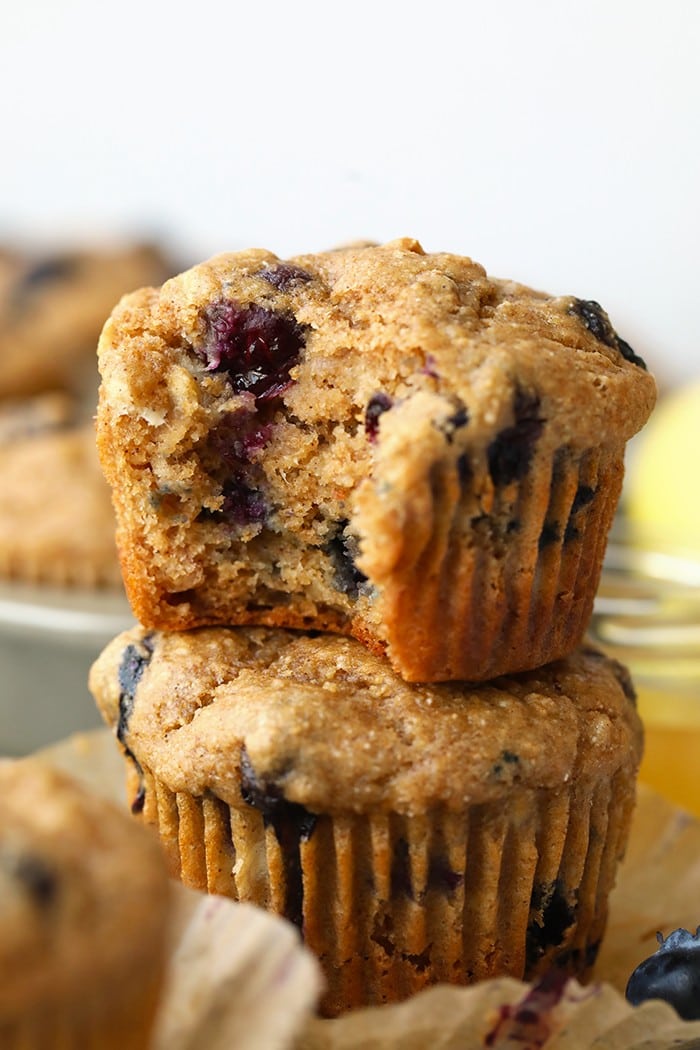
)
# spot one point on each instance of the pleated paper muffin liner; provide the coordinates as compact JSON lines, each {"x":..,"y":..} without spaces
{"x":505,"y":578}
{"x":391,"y":903}
{"x":240,"y":981}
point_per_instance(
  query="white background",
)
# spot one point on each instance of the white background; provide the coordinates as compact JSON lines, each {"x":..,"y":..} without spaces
{"x":557,"y":143}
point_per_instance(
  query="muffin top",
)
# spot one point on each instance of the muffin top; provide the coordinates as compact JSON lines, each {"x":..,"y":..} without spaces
{"x":82,"y":889}
{"x":323,"y":722}
{"x":52,"y":308}
{"x":56,"y":517}
{"x":333,"y":332}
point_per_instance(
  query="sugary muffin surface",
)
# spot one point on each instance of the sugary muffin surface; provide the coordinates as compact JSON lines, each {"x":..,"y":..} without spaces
{"x":299,"y":443}
{"x":326,"y":724}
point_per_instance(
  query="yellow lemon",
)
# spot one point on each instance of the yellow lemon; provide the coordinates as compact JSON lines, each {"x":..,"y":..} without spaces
{"x":662,"y":487}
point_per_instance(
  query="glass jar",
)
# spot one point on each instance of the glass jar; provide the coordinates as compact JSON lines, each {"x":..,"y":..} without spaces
{"x":647,"y":615}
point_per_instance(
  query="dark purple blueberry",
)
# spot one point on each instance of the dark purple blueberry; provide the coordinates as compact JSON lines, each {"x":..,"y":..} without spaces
{"x":511,"y":451}
{"x":578,"y":959}
{"x":135,"y":660}
{"x":441,"y":877}
{"x":429,"y":368}
{"x":465,"y":471}
{"x":571,"y":532}
{"x":292,"y":824}
{"x":401,"y":882}
{"x":53,"y":269}
{"x":256,"y":347}
{"x":34,"y":874}
{"x":377,"y":405}
{"x":285,"y":276}
{"x":594,"y":318}
{"x":629,"y":354}
{"x":625,"y":680}
{"x":507,"y":760}
{"x":672,"y":973}
{"x":238,"y":435}
{"x":512,"y":1020}
{"x":342,"y":549}
{"x":267,"y":797}
{"x":584,"y":495}
{"x":550,"y":534}
{"x":45,"y":272}
{"x":139,"y":800}
{"x":458,"y":419}
{"x":243,"y":504}
{"x":552,"y":914}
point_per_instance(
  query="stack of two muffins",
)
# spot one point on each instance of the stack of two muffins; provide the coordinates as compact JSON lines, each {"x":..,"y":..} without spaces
{"x":347,"y":485}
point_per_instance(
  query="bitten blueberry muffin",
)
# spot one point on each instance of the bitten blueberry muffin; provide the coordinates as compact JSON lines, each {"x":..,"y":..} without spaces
{"x":414,"y":833}
{"x":52,"y":308}
{"x":374,"y":441}
{"x":83,"y":910}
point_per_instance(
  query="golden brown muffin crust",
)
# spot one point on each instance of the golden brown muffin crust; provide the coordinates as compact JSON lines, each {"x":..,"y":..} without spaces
{"x":388,"y":430}
{"x":336,"y":730}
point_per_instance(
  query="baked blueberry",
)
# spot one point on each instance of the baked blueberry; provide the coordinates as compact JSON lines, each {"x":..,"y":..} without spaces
{"x":256,"y":347}
{"x":672,"y":973}
{"x":595,"y":319}
{"x":342,"y":550}
{"x":134,"y":662}
{"x":511,"y":451}
{"x":376,"y":406}
{"x":292,"y":825}
{"x":284,"y":276}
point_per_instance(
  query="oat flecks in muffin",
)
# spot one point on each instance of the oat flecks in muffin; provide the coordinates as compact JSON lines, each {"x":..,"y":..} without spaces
{"x":257,"y":414}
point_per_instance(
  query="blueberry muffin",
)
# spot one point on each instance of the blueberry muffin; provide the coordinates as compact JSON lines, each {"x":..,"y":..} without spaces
{"x":56,"y":518}
{"x":415,"y":833}
{"x":83,"y":910}
{"x":373,"y":441}
{"x":53,"y":307}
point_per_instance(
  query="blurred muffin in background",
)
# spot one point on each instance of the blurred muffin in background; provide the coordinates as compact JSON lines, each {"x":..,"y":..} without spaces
{"x":56,"y":519}
{"x":52,"y":309}
{"x":84,"y":912}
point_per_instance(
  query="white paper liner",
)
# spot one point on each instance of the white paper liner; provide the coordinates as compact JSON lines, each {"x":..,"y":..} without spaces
{"x":241,"y":979}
